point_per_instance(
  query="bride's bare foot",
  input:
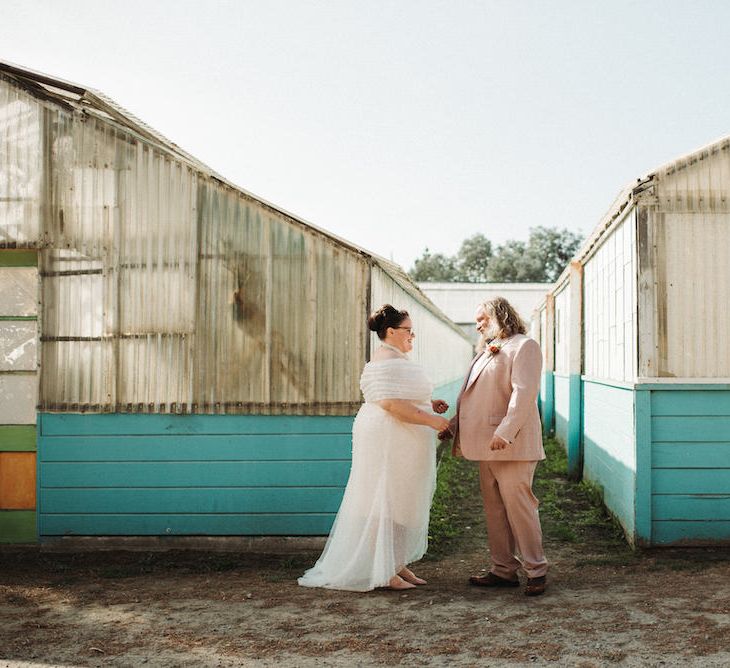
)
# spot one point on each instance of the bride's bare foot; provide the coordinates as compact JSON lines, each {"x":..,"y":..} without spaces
{"x":396,"y":582}
{"x":409,"y":576}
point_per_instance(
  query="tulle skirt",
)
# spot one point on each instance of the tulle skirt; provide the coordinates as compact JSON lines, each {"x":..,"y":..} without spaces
{"x":382,"y":523}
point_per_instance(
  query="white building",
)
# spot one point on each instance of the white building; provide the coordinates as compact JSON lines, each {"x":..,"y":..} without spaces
{"x":459,"y":301}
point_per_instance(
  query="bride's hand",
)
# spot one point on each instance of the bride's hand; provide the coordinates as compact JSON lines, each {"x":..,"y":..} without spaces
{"x":439,"y":405}
{"x":438,"y":423}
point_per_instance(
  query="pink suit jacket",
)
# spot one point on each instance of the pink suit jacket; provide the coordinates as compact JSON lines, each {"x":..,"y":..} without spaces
{"x":502,"y":400}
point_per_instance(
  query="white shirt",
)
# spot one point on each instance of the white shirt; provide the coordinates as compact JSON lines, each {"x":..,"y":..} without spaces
{"x":478,"y":366}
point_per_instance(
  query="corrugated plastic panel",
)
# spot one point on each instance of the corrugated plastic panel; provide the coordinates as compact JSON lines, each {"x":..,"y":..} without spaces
{"x":18,"y":392}
{"x":164,"y":289}
{"x":21,"y":173}
{"x":19,"y":291}
{"x":281,"y":313}
{"x":18,"y":349}
{"x":692,"y":274}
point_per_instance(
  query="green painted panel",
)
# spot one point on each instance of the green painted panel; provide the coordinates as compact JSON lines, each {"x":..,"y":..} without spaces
{"x":575,"y":428}
{"x":684,"y":428}
{"x":115,"y":424}
{"x":687,"y":532}
{"x":194,"y":474}
{"x":691,"y":481}
{"x":18,"y":526}
{"x":17,"y":438}
{"x":18,"y":258}
{"x":690,"y":455}
{"x":194,"y":500}
{"x":688,"y":402}
{"x":212,"y":447}
{"x":691,"y":507}
{"x":23,"y":318}
{"x":547,"y":394}
{"x":301,"y":524}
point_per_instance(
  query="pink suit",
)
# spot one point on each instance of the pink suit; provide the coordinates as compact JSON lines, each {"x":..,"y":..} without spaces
{"x":501,"y":399}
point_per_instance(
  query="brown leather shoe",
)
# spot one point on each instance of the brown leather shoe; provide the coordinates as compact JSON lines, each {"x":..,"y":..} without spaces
{"x":492,"y":580}
{"x":536,"y":586}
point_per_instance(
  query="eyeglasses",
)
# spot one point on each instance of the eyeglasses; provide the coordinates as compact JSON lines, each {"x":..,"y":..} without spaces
{"x":410,"y":330}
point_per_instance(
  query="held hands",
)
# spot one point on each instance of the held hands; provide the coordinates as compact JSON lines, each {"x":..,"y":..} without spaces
{"x":439,"y":423}
{"x":445,"y":434}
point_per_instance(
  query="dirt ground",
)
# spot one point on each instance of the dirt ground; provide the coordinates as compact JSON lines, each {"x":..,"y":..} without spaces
{"x":605,"y":606}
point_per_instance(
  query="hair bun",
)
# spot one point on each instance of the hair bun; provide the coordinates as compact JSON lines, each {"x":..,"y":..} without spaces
{"x":377,"y":319}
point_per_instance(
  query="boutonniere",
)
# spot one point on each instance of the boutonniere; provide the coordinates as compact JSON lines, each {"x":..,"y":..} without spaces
{"x":494,"y":348}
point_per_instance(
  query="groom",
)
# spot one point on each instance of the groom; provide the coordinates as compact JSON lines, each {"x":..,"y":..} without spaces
{"x":498,"y":425}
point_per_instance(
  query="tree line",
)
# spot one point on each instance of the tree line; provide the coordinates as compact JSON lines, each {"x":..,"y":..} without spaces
{"x":540,"y":259}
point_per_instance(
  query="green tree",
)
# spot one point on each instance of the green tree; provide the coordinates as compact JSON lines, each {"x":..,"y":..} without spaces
{"x":554,"y":248}
{"x":433,"y":267}
{"x":472,"y":260}
{"x":539,"y":260}
{"x":512,"y":263}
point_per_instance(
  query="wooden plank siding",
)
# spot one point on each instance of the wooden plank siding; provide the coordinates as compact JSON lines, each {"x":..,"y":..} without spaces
{"x":609,"y":448}
{"x":690,"y":463}
{"x":125,"y":474}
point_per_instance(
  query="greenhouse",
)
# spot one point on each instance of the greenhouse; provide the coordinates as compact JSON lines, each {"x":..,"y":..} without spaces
{"x":179,"y":356}
{"x":636,"y":359}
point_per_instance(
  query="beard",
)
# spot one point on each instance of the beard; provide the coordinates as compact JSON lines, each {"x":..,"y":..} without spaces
{"x":493,"y":331}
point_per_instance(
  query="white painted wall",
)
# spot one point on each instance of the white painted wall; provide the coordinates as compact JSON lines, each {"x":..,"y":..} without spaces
{"x":610,"y":305}
{"x":459,"y":301}
{"x":562,"y":329}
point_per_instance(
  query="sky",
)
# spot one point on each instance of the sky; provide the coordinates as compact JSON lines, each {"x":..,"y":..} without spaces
{"x":402,"y":125}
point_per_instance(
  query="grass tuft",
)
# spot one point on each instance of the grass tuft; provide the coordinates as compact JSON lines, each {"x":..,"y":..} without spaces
{"x":456,"y":505}
{"x":570,"y":512}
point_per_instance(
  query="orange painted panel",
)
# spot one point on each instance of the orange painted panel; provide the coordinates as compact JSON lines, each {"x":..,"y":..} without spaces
{"x":17,"y":480}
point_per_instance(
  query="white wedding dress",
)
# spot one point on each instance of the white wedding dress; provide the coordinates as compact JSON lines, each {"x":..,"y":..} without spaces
{"x":382,"y":524}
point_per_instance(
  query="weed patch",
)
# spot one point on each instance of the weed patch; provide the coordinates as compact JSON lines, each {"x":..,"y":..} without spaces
{"x":456,"y":510}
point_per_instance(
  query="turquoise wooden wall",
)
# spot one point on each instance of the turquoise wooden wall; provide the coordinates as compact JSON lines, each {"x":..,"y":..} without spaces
{"x":561,"y":384}
{"x":152,"y":475}
{"x":125,"y":474}
{"x":659,"y":453}
{"x":609,"y":455}
{"x":546,"y":402}
{"x":690,"y":462}
{"x":568,"y":419}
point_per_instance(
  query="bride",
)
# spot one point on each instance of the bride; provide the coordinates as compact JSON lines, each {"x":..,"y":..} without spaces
{"x":382,"y":524}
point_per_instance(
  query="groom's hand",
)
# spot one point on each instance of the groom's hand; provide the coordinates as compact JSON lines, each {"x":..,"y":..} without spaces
{"x":443,"y":435}
{"x":439,"y":406}
{"x":497,"y":443}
